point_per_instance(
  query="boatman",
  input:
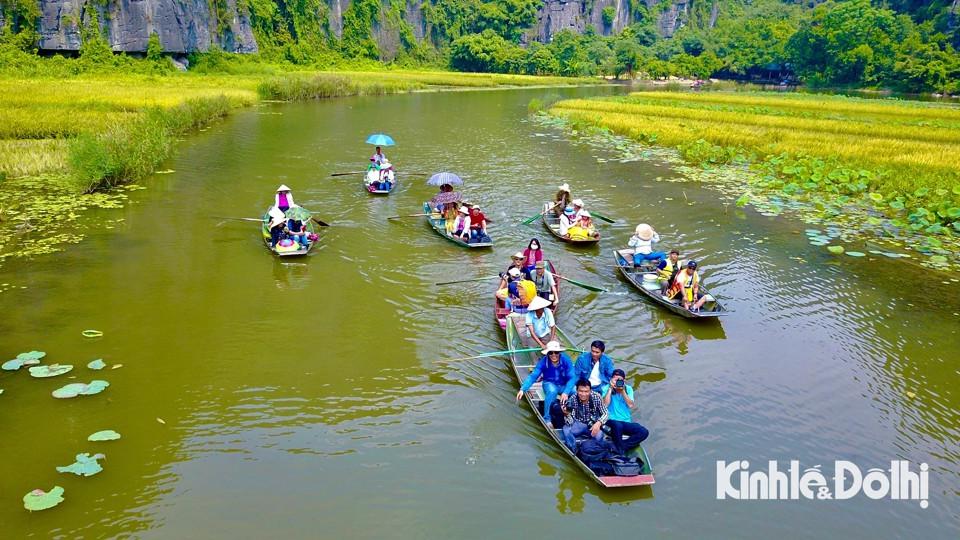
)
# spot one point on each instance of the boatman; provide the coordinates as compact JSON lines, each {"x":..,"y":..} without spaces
{"x":619,"y":401}
{"x":378,"y":156}
{"x":283,"y":198}
{"x":541,"y":326}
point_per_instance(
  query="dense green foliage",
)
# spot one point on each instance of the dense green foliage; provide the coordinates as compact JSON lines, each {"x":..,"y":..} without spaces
{"x":907,"y":45}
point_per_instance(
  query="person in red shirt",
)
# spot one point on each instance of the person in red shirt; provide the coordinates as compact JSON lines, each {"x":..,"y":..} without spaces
{"x":478,"y":226}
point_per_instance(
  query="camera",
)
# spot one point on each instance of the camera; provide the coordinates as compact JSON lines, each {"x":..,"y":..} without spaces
{"x":619,"y":383}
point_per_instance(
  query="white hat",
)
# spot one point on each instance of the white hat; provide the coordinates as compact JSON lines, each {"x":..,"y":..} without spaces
{"x":476,"y":207}
{"x":518,"y":255}
{"x":565,"y":187}
{"x":644,"y":231}
{"x":514,"y":272}
{"x":538,"y":303}
{"x":585,"y":214}
{"x":283,"y":187}
{"x":463,"y":210}
{"x":552,"y":346}
{"x":577,"y":202}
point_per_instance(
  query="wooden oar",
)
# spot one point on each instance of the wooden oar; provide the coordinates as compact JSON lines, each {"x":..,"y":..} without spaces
{"x":602,"y":217}
{"x":408,"y":215}
{"x":495,"y":353}
{"x":530,"y":220}
{"x":239,"y":218}
{"x":614,"y":360}
{"x":320,"y":223}
{"x":593,"y":288}
{"x":348,"y":173}
{"x":466,"y":280}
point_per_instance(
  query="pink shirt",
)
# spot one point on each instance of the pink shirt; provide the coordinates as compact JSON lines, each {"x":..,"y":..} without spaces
{"x":532,"y":256}
{"x":283,"y":200}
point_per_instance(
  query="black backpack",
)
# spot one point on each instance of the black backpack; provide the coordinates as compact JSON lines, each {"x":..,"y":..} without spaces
{"x":623,"y":466}
{"x":592,"y":450}
{"x":556,"y":414}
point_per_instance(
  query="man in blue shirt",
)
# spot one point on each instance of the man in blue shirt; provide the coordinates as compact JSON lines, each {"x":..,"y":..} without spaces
{"x":556,"y":368}
{"x":619,"y":400}
{"x":595,"y":367}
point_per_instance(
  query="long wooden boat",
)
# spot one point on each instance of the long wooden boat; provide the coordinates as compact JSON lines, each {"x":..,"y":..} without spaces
{"x":281,"y":251}
{"x":711,"y":309}
{"x":439,"y":225}
{"x":523,"y":364}
{"x":500,"y":310}
{"x":552,"y":223}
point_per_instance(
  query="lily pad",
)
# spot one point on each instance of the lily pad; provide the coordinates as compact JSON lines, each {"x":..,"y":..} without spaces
{"x":39,"y":499}
{"x":105,"y":435}
{"x":42,"y":372}
{"x":855,"y":254}
{"x":836,"y":250}
{"x":95,"y":387}
{"x":938,"y":259}
{"x":31,"y":358}
{"x":71,"y":390}
{"x":97,"y":364}
{"x":85,"y":465}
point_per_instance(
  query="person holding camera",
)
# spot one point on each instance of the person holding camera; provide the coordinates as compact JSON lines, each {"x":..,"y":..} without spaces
{"x":585,"y":413}
{"x":619,"y":400}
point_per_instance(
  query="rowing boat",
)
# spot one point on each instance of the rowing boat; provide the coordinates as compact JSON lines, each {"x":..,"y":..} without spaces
{"x":711,"y":309}
{"x":552,"y":222}
{"x":439,"y":225}
{"x":523,"y":364}
{"x":294,"y":249}
{"x":500,"y":310}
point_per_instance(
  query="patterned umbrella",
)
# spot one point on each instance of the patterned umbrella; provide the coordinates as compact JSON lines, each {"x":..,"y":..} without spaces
{"x":442,"y":178}
{"x":446,"y":198}
{"x":380,"y":139}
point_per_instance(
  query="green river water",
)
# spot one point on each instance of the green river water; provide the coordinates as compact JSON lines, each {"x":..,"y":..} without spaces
{"x":312,"y":399}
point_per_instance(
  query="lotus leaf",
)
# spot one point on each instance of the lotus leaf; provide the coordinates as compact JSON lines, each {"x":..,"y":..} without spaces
{"x":938,"y":259}
{"x":71,"y":390}
{"x":855,"y":254}
{"x":85,"y":465}
{"x":39,"y":499}
{"x":813,"y":232}
{"x":836,"y":250}
{"x":52,"y":370}
{"x":95,"y":387}
{"x":97,"y":364}
{"x":31,"y":358}
{"x":105,"y":435}
{"x":876,"y":197}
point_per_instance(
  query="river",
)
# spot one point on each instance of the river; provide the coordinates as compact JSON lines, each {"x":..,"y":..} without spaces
{"x":317,"y":398}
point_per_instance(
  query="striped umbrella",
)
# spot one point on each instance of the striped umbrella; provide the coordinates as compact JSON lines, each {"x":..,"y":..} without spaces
{"x":442,"y":178}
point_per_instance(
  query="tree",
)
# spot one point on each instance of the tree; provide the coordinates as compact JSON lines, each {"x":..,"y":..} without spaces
{"x":477,"y":52}
{"x":627,"y":53}
{"x":540,"y":61}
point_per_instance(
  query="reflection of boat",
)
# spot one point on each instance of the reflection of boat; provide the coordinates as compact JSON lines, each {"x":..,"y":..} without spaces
{"x":523,"y":364}
{"x":439,"y":225}
{"x":500,"y":310}
{"x":288,"y":247}
{"x":712,"y":308}
{"x":371,"y":181}
{"x":552,"y":222}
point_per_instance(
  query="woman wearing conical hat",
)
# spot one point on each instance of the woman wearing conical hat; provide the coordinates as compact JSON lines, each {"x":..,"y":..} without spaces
{"x":562,"y":199}
{"x":283,"y":198}
{"x":642,"y":243}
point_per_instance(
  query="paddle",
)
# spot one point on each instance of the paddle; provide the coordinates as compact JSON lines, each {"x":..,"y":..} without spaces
{"x":636,"y":363}
{"x":602,"y":217}
{"x":320,"y":223}
{"x":495,"y":353}
{"x":239,"y":218}
{"x":530,"y":220}
{"x":347,"y":173}
{"x":408,"y":215}
{"x":465,"y":280}
{"x":579,"y":284}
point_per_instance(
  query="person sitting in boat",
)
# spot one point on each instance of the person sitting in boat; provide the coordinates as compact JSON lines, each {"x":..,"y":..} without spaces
{"x":577,"y":205}
{"x":566,"y":220}
{"x":298,"y":232}
{"x":667,"y":270}
{"x":378,"y":156}
{"x":436,"y":202}
{"x":516,"y":261}
{"x":688,"y":283}
{"x":562,"y":199}
{"x":478,"y":226}
{"x":642,"y":243}
{"x":276,"y":225}
{"x":555,"y":370}
{"x":541,"y":326}
{"x":594,"y":366}
{"x":385,"y":176}
{"x":619,"y":400}
{"x":532,"y":255}
{"x":583,"y":414}
{"x":582,"y":228}
{"x":510,"y":290}
{"x":546,"y":285}
{"x":451,"y":211}
{"x":461,"y":225}
{"x":283,"y":198}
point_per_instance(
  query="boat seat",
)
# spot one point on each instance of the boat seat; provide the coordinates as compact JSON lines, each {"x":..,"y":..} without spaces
{"x":627,"y":253}
{"x":536,"y":391}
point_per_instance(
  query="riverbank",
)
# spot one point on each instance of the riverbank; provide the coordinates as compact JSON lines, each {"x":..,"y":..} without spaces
{"x":895,"y":162}
{"x":63,"y":142}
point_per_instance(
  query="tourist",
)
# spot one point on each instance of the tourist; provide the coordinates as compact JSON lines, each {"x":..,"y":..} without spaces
{"x":566,"y":221}
{"x":689,"y":283}
{"x":584,"y":414}
{"x":642,"y":243}
{"x":546,"y":285}
{"x":275,"y":226}
{"x":478,"y":226}
{"x":297,"y":231}
{"x":532,"y":255}
{"x":667,"y":270}
{"x":555,"y":369}
{"x":619,"y":400}
{"x":461,"y":225}
{"x":594,"y":366}
{"x":583,"y":228}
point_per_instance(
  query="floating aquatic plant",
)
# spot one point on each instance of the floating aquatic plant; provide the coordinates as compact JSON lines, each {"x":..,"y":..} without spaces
{"x":39,"y":499}
{"x":31,"y":358}
{"x":85,"y":465}
{"x":91,"y":333}
{"x":836,"y":250}
{"x":42,"y":372}
{"x":855,"y":254}
{"x":97,"y":364}
{"x":73,"y":390}
{"x":105,"y":435}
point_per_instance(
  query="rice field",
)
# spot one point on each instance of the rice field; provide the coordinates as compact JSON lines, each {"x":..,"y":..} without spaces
{"x":911,"y":149}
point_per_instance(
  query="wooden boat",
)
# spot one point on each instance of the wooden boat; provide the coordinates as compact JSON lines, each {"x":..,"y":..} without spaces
{"x":500,"y":310}
{"x":523,"y":364}
{"x":439,"y":225}
{"x":552,"y":222}
{"x":292,"y":251}
{"x":710,"y":309}
{"x":369,"y":186}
